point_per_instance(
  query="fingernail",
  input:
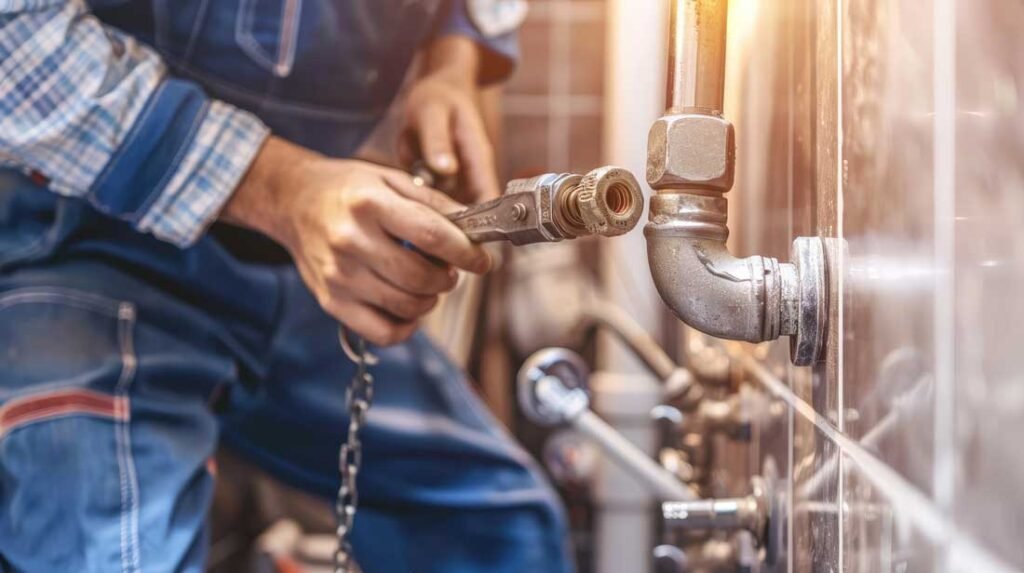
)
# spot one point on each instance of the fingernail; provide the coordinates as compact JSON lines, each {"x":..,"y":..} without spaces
{"x":444,"y":162}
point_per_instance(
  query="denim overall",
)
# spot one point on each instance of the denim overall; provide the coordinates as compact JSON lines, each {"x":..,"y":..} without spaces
{"x":125,"y":360}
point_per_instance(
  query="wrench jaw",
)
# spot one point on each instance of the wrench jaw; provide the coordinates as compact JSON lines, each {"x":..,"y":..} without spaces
{"x":522,"y":216}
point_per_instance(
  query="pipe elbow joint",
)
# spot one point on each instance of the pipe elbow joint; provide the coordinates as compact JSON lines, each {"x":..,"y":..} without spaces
{"x":753,"y":299}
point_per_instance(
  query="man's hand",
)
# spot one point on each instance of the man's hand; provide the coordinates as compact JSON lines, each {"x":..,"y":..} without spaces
{"x":443,"y":123}
{"x":343,"y":222}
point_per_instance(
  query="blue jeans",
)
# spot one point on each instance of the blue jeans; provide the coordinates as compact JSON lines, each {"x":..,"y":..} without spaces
{"x":123,"y":362}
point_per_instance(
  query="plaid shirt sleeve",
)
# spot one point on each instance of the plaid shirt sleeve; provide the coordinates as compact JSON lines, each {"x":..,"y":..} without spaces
{"x":92,"y":112}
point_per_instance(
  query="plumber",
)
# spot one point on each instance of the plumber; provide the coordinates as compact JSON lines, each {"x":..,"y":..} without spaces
{"x":182,"y":227}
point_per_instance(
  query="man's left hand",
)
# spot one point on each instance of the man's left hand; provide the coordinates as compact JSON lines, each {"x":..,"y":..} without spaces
{"x":443,"y":120}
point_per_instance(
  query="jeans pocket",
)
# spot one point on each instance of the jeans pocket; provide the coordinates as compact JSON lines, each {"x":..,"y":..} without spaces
{"x":267,"y":31}
{"x":58,"y":339}
{"x":66,"y":467}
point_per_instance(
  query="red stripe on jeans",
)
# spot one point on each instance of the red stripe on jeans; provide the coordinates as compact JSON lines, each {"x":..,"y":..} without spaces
{"x":47,"y":405}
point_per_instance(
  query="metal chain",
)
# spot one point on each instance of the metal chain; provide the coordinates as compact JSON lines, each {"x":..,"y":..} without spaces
{"x":359,"y":397}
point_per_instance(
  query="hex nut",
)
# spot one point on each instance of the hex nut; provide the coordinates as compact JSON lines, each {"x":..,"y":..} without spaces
{"x":691,"y":150}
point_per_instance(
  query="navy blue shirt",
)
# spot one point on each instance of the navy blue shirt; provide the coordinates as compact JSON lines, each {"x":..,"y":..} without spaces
{"x":320,"y":73}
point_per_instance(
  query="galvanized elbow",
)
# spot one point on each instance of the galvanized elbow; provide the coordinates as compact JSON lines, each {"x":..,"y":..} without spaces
{"x":755,"y":299}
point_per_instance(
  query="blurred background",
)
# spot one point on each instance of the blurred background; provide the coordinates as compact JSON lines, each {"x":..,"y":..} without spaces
{"x":894,"y":129}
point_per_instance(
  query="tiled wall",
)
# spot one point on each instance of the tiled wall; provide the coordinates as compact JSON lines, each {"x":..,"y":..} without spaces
{"x":553,"y":104}
{"x":895,"y":127}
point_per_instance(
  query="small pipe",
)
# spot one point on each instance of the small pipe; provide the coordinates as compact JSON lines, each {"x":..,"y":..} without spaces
{"x":752,"y":299}
{"x":551,"y":391}
{"x":696,"y":60}
{"x":675,"y":379}
{"x":661,"y":482}
{"x":719,"y":514}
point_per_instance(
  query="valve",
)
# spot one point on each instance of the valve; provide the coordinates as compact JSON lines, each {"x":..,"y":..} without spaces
{"x":762,"y":515}
{"x":748,"y":513}
{"x":552,"y":390}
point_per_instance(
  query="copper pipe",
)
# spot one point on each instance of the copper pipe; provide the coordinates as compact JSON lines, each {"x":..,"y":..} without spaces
{"x":696,"y":59}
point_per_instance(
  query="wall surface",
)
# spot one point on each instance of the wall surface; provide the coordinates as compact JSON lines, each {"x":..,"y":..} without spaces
{"x":553,"y":102}
{"x":894,"y":127}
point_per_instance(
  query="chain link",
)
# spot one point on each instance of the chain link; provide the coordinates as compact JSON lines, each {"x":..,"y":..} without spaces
{"x":359,"y":397}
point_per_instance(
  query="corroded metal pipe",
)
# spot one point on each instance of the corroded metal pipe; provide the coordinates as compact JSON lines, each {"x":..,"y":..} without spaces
{"x":691,"y":163}
{"x":753,"y":299}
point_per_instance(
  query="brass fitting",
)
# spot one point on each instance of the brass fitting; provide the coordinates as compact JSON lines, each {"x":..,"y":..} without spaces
{"x":607,"y":202}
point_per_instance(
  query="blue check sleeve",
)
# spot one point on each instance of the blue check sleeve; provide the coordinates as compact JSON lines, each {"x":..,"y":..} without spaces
{"x":94,"y":114}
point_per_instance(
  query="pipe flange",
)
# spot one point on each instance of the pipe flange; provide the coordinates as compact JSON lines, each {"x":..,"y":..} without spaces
{"x":776,"y":530}
{"x":808,"y":254}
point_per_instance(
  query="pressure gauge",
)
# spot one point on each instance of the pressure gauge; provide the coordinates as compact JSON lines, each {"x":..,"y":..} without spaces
{"x":497,"y":17}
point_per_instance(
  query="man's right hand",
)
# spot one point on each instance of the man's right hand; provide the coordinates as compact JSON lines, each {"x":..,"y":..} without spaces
{"x":343,"y":222}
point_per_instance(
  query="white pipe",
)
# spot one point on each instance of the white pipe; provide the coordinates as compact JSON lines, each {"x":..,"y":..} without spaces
{"x":633,"y":98}
{"x":634,"y":90}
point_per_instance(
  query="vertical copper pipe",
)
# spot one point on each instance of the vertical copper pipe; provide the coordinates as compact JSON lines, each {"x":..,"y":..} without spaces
{"x":696,"y":66}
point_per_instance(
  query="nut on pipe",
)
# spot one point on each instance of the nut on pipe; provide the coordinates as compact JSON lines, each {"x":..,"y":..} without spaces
{"x":608,"y":202}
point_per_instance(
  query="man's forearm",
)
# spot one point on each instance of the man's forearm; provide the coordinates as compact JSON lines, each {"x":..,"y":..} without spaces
{"x":260,"y":200}
{"x":456,"y":56}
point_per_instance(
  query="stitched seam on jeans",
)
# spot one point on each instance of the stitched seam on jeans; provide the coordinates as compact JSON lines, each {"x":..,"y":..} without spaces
{"x":53,"y":386}
{"x":62,"y":296}
{"x":130,"y":558}
{"x":67,"y":297}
